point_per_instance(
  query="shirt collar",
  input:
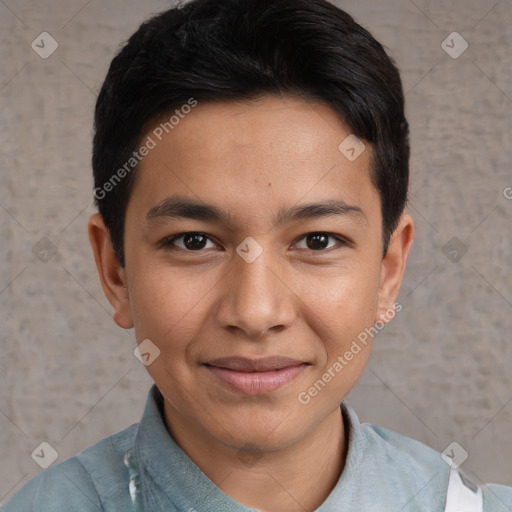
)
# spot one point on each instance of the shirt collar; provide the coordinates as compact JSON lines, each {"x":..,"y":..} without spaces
{"x":166,"y":470}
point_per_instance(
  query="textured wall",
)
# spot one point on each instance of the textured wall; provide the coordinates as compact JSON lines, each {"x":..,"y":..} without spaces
{"x":439,"y":373}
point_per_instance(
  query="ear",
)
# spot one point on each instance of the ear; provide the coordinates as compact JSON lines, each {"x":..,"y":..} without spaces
{"x":112,"y":274}
{"x":393,"y":267}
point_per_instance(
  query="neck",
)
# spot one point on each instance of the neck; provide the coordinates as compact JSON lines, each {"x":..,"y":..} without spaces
{"x":296,"y":478}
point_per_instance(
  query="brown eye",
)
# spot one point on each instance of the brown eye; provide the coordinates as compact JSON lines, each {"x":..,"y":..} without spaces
{"x":190,"y":241}
{"x":320,"y":241}
{"x":317,"y":241}
{"x":194,"y":241}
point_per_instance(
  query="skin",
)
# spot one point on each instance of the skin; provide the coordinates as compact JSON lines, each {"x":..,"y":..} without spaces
{"x":252,"y":159}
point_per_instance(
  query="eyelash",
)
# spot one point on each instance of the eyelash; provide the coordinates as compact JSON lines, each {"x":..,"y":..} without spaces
{"x":168,"y":243}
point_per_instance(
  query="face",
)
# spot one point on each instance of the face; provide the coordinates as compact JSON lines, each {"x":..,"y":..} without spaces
{"x":253,"y":261}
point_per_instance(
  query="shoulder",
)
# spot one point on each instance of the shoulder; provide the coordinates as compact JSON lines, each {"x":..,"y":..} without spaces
{"x":416,"y":465}
{"x":81,"y":483}
{"x":409,"y":469}
{"x":410,"y":453}
{"x":497,"y":498}
{"x":66,"y":486}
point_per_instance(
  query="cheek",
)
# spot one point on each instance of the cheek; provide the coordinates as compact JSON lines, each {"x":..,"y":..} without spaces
{"x":343,"y":295}
{"x":167,"y":302}
{"x":169,"y":309}
{"x":340,"y":306}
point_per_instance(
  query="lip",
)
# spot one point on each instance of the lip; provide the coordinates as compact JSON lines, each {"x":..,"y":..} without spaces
{"x":255,"y":376}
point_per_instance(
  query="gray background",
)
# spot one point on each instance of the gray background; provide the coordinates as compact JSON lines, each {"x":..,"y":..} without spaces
{"x":439,"y":373}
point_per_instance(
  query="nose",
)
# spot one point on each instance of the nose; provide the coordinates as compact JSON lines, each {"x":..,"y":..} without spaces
{"x":256,"y":298}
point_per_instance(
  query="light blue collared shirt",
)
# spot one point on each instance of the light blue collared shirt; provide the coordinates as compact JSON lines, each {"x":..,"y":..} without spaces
{"x":142,"y":469}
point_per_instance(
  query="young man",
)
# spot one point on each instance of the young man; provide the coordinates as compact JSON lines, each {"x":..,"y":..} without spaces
{"x":251,"y":172}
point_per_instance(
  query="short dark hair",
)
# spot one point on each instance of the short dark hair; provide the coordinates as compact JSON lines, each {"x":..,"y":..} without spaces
{"x":231,"y":50}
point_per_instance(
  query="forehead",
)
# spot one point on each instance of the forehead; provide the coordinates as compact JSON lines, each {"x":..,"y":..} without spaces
{"x":266,"y":125}
{"x":259,"y":153}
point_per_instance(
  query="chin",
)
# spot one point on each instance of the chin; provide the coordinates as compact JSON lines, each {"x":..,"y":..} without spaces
{"x":266,"y":430}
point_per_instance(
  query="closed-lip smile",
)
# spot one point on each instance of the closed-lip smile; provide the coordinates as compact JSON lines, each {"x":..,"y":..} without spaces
{"x":255,"y":376}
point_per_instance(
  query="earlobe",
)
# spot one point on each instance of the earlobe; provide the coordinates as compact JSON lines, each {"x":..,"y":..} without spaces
{"x":393,"y":267}
{"x":112,"y":275}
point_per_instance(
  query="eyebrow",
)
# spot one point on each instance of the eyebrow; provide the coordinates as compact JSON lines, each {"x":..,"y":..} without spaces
{"x":176,"y":207}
